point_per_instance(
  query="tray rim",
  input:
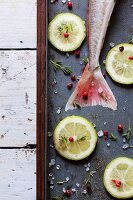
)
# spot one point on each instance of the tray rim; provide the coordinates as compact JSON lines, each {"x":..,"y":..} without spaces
{"x":41,"y":94}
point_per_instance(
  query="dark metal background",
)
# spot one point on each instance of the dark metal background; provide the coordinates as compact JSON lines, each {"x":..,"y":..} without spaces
{"x":119,"y":30}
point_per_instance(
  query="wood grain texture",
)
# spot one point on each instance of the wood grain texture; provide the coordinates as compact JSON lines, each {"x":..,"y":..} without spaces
{"x":17,"y":98}
{"x":18,"y":24}
{"x":41,"y":95}
{"x":17,"y":174}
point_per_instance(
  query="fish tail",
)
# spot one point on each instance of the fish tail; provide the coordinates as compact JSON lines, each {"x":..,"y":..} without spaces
{"x":91,"y":90}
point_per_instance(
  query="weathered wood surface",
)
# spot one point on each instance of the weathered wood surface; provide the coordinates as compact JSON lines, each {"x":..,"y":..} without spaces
{"x":18,"y":23}
{"x":17,"y":174}
{"x":17,"y":98}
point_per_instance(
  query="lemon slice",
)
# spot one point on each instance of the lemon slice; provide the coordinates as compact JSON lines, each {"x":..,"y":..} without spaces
{"x":118,"y":178}
{"x":66,"y":31}
{"x":75,"y":138}
{"x":119,"y":63}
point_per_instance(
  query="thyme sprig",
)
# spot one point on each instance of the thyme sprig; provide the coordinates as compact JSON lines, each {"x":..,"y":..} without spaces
{"x":81,"y":139}
{"x":85,"y":61}
{"x":113,"y":137}
{"x":128,"y":133}
{"x":59,"y":66}
{"x":130,"y":40}
{"x":63,"y":138}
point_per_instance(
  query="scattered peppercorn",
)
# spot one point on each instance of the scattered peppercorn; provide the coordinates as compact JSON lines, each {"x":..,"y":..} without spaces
{"x":117,"y":182}
{"x":67,"y":193}
{"x":130,"y":58}
{"x":85,"y":95}
{"x":66,"y":35}
{"x":120,"y":127}
{"x":71,"y":139}
{"x":73,"y":78}
{"x":106,"y":133}
{"x":70,"y":5}
{"x":69,"y":86}
{"x":77,"y":53}
{"x":121,"y":49}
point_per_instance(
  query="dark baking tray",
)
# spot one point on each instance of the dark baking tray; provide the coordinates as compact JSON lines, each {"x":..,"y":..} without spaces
{"x":119,"y":30}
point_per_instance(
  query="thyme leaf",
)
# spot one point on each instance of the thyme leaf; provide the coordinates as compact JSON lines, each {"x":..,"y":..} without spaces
{"x":85,"y":61}
{"x":82,"y":139}
{"x":59,"y":66}
{"x":128,"y":133}
{"x":63,"y":139}
{"x":113,"y":137}
{"x":130,"y":40}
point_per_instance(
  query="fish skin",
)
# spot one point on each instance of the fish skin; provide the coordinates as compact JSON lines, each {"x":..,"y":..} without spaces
{"x":92,"y":80}
{"x":99,"y":12}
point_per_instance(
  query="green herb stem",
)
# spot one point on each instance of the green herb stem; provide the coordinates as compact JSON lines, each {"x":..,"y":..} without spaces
{"x":58,"y":66}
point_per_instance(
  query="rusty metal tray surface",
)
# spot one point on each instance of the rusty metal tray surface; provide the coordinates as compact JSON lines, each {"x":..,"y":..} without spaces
{"x":119,"y":30}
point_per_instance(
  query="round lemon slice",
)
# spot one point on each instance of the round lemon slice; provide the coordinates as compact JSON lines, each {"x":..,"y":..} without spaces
{"x":118,"y":178}
{"x":119,"y":63}
{"x":66,"y":32}
{"x":75,"y":138}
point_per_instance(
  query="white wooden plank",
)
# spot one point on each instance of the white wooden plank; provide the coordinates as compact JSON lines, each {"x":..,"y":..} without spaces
{"x":17,"y":98}
{"x":18,"y":23}
{"x":17,"y":174}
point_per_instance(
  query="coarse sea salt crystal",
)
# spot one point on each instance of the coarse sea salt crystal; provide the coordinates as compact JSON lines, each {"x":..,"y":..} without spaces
{"x":87,"y":169}
{"x":58,"y":167}
{"x":111,"y":44}
{"x":51,"y":187}
{"x":63,"y":1}
{"x":50,"y":134}
{"x":108,"y":144}
{"x":59,"y":110}
{"x":124,"y":140}
{"x":50,"y":175}
{"x":73,"y":190}
{"x":100,"y":133}
{"x":77,"y":184}
{"x":67,"y":179}
{"x":84,"y":192}
{"x":125,"y":146}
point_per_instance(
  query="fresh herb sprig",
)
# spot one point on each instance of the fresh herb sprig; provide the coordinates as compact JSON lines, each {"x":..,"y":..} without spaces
{"x":81,"y":139}
{"x":59,"y":66}
{"x":128,"y":133}
{"x":85,"y":61}
{"x":130,"y":40}
{"x":113,"y":137}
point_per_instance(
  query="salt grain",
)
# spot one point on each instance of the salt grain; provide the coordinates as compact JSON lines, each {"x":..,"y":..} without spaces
{"x":84,"y":192}
{"x":125,"y":146}
{"x":51,"y":187}
{"x":63,"y":1}
{"x":50,"y":134}
{"x":100,"y":133}
{"x":87,"y":169}
{"x":111,"y":44}
{"x":67,"y":179}
{"x":108,"y":144}
{"x":77,"y":184}
{"x":124,"y":140}
{"x":73,"y":190}
{"x":55,"y":91}
{"x":50,"y":175}
{"x":58,"y":167}
{"x":59,"y":110}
